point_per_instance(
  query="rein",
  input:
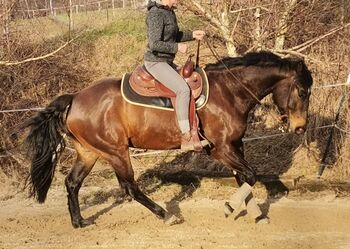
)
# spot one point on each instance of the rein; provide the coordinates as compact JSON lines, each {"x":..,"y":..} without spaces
{"x":197,"y":55}
{"x":234,"y":76}
{"x":239,"y":82}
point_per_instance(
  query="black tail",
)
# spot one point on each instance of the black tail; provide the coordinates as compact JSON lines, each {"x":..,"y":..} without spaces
{"x":46,"y":144}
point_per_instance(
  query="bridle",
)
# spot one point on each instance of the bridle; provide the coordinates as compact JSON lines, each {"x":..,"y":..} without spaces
{"x":215,"y":54}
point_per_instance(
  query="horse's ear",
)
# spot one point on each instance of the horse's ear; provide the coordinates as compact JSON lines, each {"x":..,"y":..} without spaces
{"x":300,"y":66}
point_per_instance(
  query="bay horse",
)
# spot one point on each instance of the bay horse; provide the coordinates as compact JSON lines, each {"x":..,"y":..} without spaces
{"x":101,"y":124}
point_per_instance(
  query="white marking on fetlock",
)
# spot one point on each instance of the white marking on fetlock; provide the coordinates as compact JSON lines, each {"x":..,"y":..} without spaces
{"x":238,"y":198}
{"x":262,"y":221}
{"x":253,"y":209}
{"x":172,"y":220}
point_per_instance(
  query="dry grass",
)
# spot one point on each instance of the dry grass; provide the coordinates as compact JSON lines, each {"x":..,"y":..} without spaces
{"x":111,"y":47}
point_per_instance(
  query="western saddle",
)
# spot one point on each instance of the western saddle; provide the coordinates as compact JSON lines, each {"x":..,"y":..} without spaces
{"x":143,"y":83}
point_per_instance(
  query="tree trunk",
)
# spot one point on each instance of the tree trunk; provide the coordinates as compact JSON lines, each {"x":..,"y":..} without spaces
{"x":28,"y":13}
{"x":282,"y":28}
{"x":257,"y":32}
{"x":342,"y":15}
{"x":220,"y":20}
{"x":226,"y":33}
{"x":35,"y":9}
{"x":113,"y":6}
{"x":70,"y":15}
{"x":5,"y":26}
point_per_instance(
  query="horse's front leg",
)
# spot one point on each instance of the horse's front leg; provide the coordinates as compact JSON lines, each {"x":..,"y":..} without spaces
{"x":232,"y":157}
{"x":252,"y":207}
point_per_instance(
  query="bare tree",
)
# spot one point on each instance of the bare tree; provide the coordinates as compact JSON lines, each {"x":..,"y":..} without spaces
{"x":283,"y":23}
{"x":28,"y":9}
{"x":218,"y":15}
{"x":51,"y":8}
{"x":282,"y":26}
{"x":5,"y":11}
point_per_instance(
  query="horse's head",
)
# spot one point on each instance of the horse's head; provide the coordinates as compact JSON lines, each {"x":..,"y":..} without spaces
{"x":291,"y":95}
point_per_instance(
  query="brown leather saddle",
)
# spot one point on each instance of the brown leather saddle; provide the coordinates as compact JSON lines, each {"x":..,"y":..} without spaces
{"x":143,"y":83}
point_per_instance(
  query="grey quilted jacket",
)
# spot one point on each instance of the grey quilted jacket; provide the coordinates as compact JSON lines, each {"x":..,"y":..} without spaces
{"x":163,"y":33}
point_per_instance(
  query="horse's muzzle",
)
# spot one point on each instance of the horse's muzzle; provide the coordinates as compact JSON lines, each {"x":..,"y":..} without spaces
{"x":299,"y":130}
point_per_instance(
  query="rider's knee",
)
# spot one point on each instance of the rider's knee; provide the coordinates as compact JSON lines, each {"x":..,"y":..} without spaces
{"x":184,"y":89}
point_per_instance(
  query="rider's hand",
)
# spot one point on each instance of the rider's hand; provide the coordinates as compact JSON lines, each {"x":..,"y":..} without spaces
{"x":198,"y":34}
{"x":182,"y":47}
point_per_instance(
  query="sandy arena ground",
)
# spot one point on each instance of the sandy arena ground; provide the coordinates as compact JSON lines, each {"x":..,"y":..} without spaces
{"x":301,"y":220}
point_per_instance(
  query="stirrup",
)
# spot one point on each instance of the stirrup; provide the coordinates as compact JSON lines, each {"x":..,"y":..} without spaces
{"x":192,"y":147}
{"x":192,"y":142}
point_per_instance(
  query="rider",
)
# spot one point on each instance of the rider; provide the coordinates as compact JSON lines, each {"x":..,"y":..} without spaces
{"x":163,"y":43}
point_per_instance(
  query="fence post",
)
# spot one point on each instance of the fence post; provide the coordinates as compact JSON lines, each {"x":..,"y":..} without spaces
{"x":85,"y":6}
{"x":51,"y":8}
{"x":5,"y":26}
{"x":70,"y":16}
{"x":112,"y":7}
{"x":107,"y":11}
{"x":330,"y":138}
{"x":28,"y":10}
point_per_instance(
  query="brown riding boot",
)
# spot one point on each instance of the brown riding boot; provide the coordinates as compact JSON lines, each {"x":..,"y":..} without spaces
{"x":190,"y":141}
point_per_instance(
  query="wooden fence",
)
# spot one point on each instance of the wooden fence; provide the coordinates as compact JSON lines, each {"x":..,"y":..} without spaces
{"x":25,"y":11}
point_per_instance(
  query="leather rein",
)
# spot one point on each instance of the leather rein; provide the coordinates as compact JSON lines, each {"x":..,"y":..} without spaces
{"x":238,"y":80}
{"x":229,"y":71}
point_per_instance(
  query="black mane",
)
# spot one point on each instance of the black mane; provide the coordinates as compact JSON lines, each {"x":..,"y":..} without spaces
{"x":263,"y":59}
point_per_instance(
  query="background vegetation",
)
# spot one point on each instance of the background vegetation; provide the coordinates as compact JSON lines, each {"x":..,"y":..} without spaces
{"x":103,"y":44}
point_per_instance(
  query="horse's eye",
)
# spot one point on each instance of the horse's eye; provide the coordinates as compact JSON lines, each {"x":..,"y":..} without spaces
{"x":302,"y":93}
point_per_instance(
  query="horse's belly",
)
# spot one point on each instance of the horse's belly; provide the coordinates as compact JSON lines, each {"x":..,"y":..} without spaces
{"x":154,"y":129}
{"x":156,"y":139}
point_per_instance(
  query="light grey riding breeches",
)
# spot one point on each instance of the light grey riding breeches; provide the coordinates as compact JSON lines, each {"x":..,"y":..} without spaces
{"x":168,"y":76}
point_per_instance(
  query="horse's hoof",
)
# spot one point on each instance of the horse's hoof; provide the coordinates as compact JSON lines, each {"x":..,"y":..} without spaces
{"x":172,"y":220}
{"x":262,"y":220}
{"x":82,"y":223}
{"x":228,"y":210}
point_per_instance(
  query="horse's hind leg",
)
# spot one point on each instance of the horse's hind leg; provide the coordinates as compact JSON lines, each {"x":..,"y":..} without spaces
{"x":85,"y":161}
{"x":125,"y":175}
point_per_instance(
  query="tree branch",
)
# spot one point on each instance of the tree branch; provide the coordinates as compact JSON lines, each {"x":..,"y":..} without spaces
{"x":251,"y":8}
{"x":8,"y":10}
{"x":208,"y":15}
{"x":286,"y":52}
{"x":15,"y":63}
{"x":311,"y":42}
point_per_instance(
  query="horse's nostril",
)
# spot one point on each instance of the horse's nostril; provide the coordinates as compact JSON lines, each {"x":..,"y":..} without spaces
{"x":284,"y":118}
{"x":299,"y":130}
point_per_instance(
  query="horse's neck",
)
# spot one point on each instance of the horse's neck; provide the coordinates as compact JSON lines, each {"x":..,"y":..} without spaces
{"x":263,"y":81}
{"x":260,"y":82}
